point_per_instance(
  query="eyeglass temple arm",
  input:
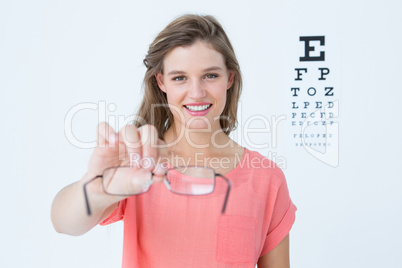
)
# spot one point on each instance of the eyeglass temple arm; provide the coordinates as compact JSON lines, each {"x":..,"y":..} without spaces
{"x":86,"y":194}
{"x":227,"y":191}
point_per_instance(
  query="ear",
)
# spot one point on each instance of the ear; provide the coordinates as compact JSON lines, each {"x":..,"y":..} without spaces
{"x":159,"y":79}
{"x":230,"y":80}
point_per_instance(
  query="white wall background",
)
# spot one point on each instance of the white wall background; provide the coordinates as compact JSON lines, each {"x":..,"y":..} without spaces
{"x":57,"y":54}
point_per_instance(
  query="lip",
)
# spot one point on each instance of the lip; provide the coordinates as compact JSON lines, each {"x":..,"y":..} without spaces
{"x":197,"y":103}
{"x":198,"y":113}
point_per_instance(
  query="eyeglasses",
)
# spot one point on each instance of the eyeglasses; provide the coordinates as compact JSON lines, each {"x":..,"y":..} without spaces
{"x":190,"y":180}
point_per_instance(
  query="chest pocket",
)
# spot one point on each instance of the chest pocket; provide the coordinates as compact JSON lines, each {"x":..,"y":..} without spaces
{"x":236,"y":241}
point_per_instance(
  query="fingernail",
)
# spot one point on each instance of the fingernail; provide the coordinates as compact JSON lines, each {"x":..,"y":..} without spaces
{"x":160,"y":169}
{"x":112,"y":138}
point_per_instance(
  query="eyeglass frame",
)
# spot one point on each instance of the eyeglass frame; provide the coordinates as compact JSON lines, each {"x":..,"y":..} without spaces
{"x":152,"y":174}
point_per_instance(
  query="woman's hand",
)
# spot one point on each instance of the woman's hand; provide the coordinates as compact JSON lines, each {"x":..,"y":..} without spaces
{"x":138,"y":148}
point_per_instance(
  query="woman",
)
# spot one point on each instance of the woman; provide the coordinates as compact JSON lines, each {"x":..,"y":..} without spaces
{"x":192,"y":88}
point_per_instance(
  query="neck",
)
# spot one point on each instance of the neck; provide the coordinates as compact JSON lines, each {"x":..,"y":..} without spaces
{"x":201,"y":147}
{"x":190,"y":141}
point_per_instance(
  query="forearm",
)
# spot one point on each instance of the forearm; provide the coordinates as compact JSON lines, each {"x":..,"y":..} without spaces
{"x":69,"y":214}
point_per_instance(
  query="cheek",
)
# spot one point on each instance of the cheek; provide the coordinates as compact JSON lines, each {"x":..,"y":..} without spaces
{"x":221,"y":93}
{"x":173,"y":95}
{"x":177,"y":91}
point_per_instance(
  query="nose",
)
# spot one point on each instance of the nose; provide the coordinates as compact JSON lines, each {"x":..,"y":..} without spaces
{"x":196,"y":90}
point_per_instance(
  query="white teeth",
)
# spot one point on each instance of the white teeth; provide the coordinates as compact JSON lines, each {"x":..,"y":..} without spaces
{"x":198,"y":107}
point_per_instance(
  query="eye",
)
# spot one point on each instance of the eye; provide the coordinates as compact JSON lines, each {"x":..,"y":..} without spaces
{"x":178,"y":78}
{"x":209,"y":76}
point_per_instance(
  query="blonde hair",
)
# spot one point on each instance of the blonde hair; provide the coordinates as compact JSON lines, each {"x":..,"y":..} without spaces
{"x":185,"y":31}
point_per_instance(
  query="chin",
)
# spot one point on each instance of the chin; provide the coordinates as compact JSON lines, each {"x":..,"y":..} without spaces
{"x":199,"y":124}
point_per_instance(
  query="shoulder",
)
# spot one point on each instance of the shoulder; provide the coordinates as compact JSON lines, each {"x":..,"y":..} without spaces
{"x":262,"y":167}
{"x":255,"y":161}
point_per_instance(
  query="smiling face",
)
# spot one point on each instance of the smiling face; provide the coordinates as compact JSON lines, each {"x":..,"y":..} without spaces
{"x":195,"y":80}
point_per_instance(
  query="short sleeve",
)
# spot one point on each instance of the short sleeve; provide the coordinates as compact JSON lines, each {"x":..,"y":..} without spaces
{"x":283,"y":214}
{"x":117,"y":214}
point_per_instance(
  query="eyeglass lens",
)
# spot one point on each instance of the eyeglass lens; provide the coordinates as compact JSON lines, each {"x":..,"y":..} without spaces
{"x":191,"y":180}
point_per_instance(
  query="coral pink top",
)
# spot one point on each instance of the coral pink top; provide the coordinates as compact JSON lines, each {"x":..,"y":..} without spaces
{"x":162,"y":229}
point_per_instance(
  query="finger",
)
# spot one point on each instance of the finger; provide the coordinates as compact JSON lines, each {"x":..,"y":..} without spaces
{"x":106,"y":137}
{"x":126,"y":181}
{"x":130,"y":145}
{"x":163,"y":153}
{"x":149,"y":142}
{"x":106,"y":153}
{"x":162,"y":163}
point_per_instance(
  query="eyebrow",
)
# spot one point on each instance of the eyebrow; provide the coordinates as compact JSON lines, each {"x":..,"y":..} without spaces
{"x":213,"y":68}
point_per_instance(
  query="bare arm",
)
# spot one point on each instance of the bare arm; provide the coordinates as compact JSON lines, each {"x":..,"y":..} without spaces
{"x":69,"y":213}
{"x":278,"y":257}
